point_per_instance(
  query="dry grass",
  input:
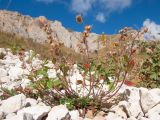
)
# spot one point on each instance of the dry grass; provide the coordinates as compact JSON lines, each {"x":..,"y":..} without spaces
{"x":11,"y":40}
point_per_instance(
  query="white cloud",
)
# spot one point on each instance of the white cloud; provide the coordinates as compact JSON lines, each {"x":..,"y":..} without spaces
{"x":107,"y":6}
{"x":82,"y":6}
{"x":101,"y":17}
{"x":45,"y":1}
{"x":103,"y":7}
{"x":115,"y":5}
{"x":154,"y":29}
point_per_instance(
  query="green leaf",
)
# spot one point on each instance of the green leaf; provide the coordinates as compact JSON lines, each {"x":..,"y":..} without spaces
{"x":54,"y":60}
{"x":154,"y":76}
{"x":50,"y":84}
{"x":57,"y":83}
{"x":43,"y":71}
{"x":111,"y":86}
{"x":126,"y":58}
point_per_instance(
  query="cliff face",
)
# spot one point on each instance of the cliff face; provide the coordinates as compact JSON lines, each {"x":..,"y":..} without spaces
{"x":28,"y":27}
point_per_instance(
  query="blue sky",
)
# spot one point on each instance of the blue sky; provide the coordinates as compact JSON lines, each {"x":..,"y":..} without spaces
{"x":107,"y":16}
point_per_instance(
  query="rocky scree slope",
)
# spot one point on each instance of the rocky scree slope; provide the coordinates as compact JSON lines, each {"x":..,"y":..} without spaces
{"x":137,"y":103}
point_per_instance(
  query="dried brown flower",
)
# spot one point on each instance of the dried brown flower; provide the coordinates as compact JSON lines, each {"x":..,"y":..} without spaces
{"x":115,"y":44}
{"x":145,"y":30}
{"x":88,"y":28}
{"x":42,"y":20}
{"x":79,"y":19}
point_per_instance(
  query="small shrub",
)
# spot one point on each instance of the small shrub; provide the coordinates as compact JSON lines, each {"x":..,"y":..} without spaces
{"x":89,"y":92}
{"x":96,"y":88}
{"x":150,"y":68}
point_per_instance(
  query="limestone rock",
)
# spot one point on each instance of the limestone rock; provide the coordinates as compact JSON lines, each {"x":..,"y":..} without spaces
{"x":118,"y":110}
{"x":99,"y":118}
{"x":132,"y":100}
{"x":149,"y":99}
{"x":21,"y":117}
{"x":74,"y":115}
{"x":113,"y":116}
{"x":15,"y":72}
{"x":38,"y":112}
{"x":31,"y":102}
{"x":3,"y":73}
{"x":2,"y":51}
{"x":154,"y":113}
{"x":13,"y":104}
{"x":132,"y":118}
{"x":1,"y":115}
{"x":5,"y":79}
{"x":89,"y":114}
{"x":57,"y":113}
{"x":143,"y":118}
{"x":11,"y":115}
{"x":51,"y":73}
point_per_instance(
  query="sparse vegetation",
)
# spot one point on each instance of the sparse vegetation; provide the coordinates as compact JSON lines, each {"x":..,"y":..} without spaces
{"x":124,"y":60}
{"x":16,"y":43}
{"x":150,"y":68}
{"x":91,"y":92}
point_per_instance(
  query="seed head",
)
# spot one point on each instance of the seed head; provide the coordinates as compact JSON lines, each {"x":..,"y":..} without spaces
{"x":145,"y":30}
{"x":115,"y":44}
{"x":42,"y":19}
{"x":88,"y":28}
{"x":79,"y":19}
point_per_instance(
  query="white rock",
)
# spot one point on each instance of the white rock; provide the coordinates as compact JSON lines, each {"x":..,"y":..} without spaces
{"x":149,"y":98}
{"x":10,"y":115}
{"x":11,"y":59}
{"x":21,"y":117}
{"x":143,"y":118}
{"x":13,"y":104}
{"x":25,"y":82}
{"x":3,"y":72}
{"x":154,"y":117}
{"x":74,"y":115}
{"x":15,"y":73}
{"x":113,"y":116}
{"x":132,"y":118}
{"x":29,"y":55}
{"x":41,"y":104}
{"x":50,"y":64}
{"x":5,"y":79}
{"x":36,"y":63}
{"x":2,"y":50}
{"x":1,"y":115}
{"x":75,"y":76}
{"x":99,"y":118}
{"x":51,"y":73}
{"x":154,"y":113}
{"x":31,"y":102}
{"x":119,"y":111}
{"x":85,"y":119}
{"x":12,"y":85}
{"x":132,"y":100}
{"x":89,"y":114}
{"x":38,"y":112}
{"x":57,"y":113}
{"x":132,"y":93}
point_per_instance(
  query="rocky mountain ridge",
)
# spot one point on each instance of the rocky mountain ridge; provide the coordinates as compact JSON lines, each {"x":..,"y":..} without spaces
{"x":28,"y":27}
